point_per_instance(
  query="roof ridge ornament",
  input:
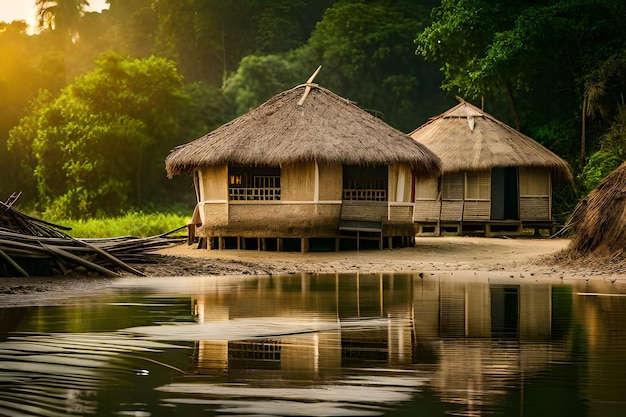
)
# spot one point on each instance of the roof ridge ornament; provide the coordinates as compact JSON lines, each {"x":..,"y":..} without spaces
{"x":470,"y":117}
{"x":470,"y":122}
{"x":308,"y":86}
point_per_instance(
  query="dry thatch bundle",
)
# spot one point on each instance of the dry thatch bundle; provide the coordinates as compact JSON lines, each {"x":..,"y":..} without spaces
{"x":286,"y":129}
{"x":599,"y":221}
{"x":30,"y":246}
{"x":468,"y":139}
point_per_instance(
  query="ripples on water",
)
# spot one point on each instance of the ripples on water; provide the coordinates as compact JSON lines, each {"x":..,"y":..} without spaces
{"x":321,"y":345}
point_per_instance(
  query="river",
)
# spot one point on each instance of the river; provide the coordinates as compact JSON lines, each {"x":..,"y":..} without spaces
{"x":433,"y":344}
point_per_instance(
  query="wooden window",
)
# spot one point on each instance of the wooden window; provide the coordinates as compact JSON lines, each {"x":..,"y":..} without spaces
{"x":478,"y":185}
{"x":452,"y":186}
{"x":253,"y":183}
{"x":365,"y":183}
{"x":534,"y":182}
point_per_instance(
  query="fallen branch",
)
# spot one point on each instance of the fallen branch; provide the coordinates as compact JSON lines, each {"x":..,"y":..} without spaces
{"x":27,"y":243}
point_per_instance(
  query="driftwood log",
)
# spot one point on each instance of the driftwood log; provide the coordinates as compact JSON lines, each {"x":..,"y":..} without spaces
{"x":31,"y":246}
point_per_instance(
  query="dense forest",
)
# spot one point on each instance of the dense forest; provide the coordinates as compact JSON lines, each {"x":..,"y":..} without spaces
{"x":92,"y":103}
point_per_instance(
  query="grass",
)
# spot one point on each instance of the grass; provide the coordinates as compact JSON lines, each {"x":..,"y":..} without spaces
{"x":131,"y":224}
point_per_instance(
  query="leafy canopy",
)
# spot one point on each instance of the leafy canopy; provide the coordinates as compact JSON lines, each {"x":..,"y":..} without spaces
{"x":97,"y":146}
{"x":535,"y":53}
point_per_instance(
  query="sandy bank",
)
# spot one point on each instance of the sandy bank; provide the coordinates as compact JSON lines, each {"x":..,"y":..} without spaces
{"x":530,"y":257}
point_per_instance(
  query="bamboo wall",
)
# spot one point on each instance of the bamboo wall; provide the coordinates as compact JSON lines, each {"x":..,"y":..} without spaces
{"x":466,"y":196}
{"x":310,"y":204}
{"x":214,"y":183}
{"x":297,"y":182}
{"x":535,"y":194}
{"x":330,"y":182}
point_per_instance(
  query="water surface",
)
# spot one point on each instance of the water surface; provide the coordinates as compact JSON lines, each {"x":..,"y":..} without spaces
{"x":320,"y":345}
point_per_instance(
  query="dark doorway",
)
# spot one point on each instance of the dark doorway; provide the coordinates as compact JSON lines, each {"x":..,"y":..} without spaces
{"x":504,"y":193}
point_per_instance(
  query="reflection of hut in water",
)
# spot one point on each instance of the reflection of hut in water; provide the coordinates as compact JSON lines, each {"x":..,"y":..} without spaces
{"x":490,"y":334}
{"x":371,"y":311}
{"x":495,"y":179}
{"x":599,"y":221}
{"x":306,"y":166}
{"x":455,"y":308}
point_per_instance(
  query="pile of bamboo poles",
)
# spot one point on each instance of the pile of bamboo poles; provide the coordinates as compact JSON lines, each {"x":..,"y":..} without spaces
{"x":30,"y":246}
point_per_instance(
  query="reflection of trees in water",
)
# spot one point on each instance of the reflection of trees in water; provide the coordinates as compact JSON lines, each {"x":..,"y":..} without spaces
{"x":11,"y":318}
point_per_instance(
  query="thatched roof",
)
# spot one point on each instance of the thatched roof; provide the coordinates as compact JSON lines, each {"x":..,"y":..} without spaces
{"x":468,"y":139}
{"x":599,"y":221}
{"x":324,"y":127}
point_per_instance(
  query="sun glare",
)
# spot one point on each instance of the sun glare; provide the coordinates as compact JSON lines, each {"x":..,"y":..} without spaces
{"x":11,"y":10}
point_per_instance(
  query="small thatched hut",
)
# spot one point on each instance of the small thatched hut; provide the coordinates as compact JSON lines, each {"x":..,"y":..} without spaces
{"x":495,"y":179}
{"x":599,"y":222}
{"x":306,"y":164}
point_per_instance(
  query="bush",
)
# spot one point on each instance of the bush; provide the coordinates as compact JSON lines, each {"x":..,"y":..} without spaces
{"x":600,"y":164}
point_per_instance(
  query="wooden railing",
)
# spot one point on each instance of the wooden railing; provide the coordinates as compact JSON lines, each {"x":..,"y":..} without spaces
{"x":266,"y":187}
{"x":254,"y":194}
{"x":365,"y":194}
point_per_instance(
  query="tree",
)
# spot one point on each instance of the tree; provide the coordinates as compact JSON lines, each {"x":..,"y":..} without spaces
{"x":20,"y":79}
{"x":259,"y":77}
{"x":60,"y":15}
{"x":98,"y":146}
{"x":536,"y":53}
{"x":208,"y":38}
{"x":368,"y":54}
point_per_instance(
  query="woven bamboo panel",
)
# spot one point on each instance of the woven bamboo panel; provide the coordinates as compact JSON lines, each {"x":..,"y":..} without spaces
{"x":426,"y":210}
{"x":371,"y":211}
{"x":451,"y":210}
{"x":476,"y":210}
{"x":535,"y":208}
{"x":400,"y":213}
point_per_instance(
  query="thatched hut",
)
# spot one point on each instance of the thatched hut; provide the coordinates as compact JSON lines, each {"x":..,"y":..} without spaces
{"x":306,"y":164}
{"x":495,"y":179}
{"x":599,"y":221}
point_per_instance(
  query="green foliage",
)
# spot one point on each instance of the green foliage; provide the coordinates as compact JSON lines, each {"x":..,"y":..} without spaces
{"x":600,"y":164}
{"x":96,"y":146}
{"x":208,"y":38}
{"x":21,"y":76}
{"x":367,"y":50}
{"x":205,"y":109}
{"x":260,"y":77}
{"x":132,"y":223}
{"x":458,"y":36}
{"x":535,"y":53}
{"x":611,"y":154}
{"x":60,"y":15}
{"x":96,"y":131}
